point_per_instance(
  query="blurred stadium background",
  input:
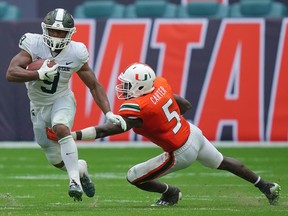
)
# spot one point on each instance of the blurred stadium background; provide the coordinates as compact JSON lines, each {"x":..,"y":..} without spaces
{"x":38,"y":9}
{"x":229,"y":61}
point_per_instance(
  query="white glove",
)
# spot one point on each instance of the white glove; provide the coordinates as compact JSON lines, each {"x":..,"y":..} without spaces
{"x":116,"y":119}
{"x":46,"y":72}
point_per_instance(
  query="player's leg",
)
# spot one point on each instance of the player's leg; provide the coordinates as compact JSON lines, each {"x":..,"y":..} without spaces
{"x":69,"y":154}
{"x":50,"y":148}
{"x":62,"y":118}
{"x":209,"y":156}
{"x":237,"y":168}
{"x":39,"y":118}
{"x":86,"y":182}
{"x":270,"y":190}
{"x":144,"y":176}
{"x":53,"y":154}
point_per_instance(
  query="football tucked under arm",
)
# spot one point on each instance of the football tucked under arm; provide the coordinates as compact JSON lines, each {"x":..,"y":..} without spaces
{"x":45,"y":68}
{"x":37,"y":64}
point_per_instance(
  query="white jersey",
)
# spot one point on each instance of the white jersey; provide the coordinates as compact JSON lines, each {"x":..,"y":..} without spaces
{"x":70,"y":59}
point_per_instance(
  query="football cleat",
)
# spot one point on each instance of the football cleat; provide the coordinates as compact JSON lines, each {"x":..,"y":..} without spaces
{"x":87,"y":185}
{"x":272,"y":192}
{"x":169,"y":200}
{"x":75,"y":191}
{"x":86,"y":182}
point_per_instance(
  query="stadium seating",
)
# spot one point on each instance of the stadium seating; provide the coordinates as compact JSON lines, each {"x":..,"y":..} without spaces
{"x":9,"y":11}
{"x":99,"y":9}
{"x":257,"y":8}
{"x":153,"y":9}
{"x":166,"y":9}
{"x":209,"y":9}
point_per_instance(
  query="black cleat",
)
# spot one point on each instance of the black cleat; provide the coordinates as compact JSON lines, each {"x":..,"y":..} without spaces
{"x":169,"y":199}
{"x":87,"y":185}
{"x":86,"y":182}
{"x":272,"y":192}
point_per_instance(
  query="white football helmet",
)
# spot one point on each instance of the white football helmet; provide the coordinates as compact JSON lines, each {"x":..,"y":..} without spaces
{"x":136,"y":80}
{"x":58,"y":19}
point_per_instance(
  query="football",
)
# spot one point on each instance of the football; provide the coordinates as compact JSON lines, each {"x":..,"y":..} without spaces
{"x":36,"y":65}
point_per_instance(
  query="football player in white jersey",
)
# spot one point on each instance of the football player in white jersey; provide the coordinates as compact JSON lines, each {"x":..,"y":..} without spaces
{"x":52,"y":103}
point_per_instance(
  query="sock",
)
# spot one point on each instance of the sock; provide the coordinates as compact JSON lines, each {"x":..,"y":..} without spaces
{"x":167,"y":187}
{"x":260,"y":183}
{"x":82,"y":168}
{"x":258,"y":180}
{"x":69,"y":153}
{"x":169,"y":191}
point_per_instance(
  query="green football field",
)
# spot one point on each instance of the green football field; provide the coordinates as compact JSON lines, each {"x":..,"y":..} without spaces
{"x":30,"y":186}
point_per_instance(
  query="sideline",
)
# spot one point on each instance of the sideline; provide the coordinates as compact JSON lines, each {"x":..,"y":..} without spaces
{"x":139,"y":144}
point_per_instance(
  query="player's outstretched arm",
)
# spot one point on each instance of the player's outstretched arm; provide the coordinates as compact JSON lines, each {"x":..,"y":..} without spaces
{"x":104,"y":130}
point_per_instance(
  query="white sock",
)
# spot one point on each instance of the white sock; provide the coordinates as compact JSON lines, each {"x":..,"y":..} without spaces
{"x":82,"y":167}
{"x":82,"y":164}
{"x":69,"y":153}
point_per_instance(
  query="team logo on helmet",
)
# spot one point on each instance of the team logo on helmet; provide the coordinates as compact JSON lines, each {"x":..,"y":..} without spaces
{"x":137,"y":77}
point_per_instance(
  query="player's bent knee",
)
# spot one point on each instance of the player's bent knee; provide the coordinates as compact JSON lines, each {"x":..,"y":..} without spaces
{"x":59,"y":165}
{"x":54,"y":160}
{"x":131,"y":175}
{"x":53,"y":155}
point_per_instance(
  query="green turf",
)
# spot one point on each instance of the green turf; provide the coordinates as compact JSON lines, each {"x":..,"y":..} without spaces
{"x":30,"y":186}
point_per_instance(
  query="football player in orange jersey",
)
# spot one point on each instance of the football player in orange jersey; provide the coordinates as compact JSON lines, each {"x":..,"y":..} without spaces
{"x":152,"y":110}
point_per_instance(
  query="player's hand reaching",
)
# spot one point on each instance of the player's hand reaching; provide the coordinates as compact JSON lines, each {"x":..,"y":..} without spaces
{"x":116,"y":119}
{"x":46,"y":72}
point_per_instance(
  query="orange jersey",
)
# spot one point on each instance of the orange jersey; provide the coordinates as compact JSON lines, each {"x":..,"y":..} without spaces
{"x":162,"y":121}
